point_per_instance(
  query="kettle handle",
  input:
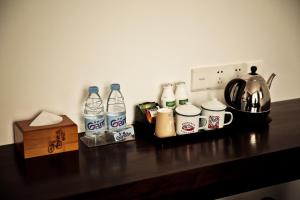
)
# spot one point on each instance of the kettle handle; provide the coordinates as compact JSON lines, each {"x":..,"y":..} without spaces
{"x":239,"y":93}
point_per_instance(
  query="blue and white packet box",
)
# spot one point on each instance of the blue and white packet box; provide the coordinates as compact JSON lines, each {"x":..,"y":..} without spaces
{"x":125,"y":134}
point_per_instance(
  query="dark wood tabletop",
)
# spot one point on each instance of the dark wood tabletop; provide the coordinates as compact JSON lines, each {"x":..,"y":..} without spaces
{"x":207,"y":165}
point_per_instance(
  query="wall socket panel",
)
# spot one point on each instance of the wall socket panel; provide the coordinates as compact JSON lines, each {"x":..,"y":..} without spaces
{"x":216,"y":77}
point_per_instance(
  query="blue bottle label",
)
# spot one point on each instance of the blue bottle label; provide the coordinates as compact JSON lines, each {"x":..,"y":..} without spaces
{"x":116,"y":122}
{"x":94,"y":124}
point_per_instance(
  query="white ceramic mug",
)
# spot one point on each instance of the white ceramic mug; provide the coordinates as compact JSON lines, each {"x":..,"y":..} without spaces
{"x":216,"y":118}
{"x":164,"y":126}
{"x":188,"y":119}
{"x":215,"y":112}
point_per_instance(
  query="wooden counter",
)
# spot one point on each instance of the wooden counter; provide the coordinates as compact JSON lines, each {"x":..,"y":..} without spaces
{"x":236,"y":160}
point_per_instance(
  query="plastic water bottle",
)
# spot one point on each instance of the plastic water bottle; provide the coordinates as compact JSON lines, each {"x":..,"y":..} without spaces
{"x":116,"y":111}
{"x":94,"y":113}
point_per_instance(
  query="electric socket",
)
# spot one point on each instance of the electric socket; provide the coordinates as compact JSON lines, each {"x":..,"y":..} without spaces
{"x":216,"y":77}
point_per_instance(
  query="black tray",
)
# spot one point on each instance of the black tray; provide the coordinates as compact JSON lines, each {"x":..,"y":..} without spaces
{"x":239,"y":125}
{"x":147,"y":134}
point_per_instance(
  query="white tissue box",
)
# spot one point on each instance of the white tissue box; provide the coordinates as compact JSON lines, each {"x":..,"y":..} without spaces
{"x":34,"y":141}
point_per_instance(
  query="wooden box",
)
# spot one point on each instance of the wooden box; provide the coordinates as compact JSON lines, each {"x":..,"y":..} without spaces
{"x":45,"y":140}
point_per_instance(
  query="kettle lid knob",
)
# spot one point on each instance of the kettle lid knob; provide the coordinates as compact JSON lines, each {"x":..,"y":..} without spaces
{"x":253,"y":70}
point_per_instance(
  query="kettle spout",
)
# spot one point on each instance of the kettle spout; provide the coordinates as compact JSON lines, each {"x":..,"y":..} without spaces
{"x":269,"y":82}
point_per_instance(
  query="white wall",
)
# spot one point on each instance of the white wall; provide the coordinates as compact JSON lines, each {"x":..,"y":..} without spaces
{"x":52,"y":50}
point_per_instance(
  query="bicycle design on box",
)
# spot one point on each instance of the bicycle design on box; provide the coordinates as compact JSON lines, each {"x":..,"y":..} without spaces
{"x":60,"y":137}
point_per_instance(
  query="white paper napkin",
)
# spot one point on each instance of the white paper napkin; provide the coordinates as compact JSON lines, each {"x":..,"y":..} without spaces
{"x":46,"y":118}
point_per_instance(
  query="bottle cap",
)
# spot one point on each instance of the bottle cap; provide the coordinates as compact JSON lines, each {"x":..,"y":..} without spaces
{"x":115,"y":86}
{"x":168,"y":85}
{"x":93,"y":89}
{"x":180,"y":84}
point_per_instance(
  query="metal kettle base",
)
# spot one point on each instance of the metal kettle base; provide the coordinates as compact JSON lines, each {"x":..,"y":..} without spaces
{"x":250,"y":119}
